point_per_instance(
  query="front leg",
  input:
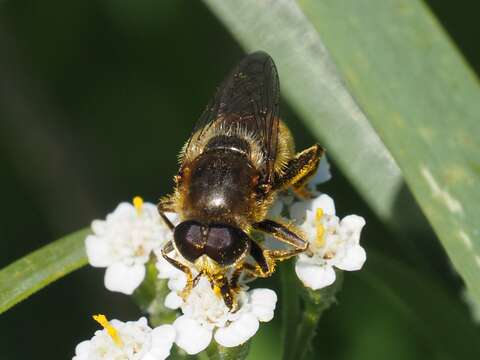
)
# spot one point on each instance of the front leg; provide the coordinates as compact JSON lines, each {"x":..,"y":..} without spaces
{"x":184,"y":268}
{"x":227,"y":292}
{"x":166,"y":205}
{"x":299,"y":170}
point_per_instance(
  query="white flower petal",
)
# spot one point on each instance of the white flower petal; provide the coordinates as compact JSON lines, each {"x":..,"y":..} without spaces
{"x":263,"y":303}
{"x":165,"y":269}
{"x":128,"y":236}
{"x":176,"y":278}
{"x":163,"y":335}
{"x":351,"y":227}
{"x":177,"y":283}
{"x":82,"y":350}
{"x":324,"y":202}
{"x":173,"y":301}
{"x":238,"y":331}
{"x":305,"y":211}
{"x":323,"y":173}
{"x":162,"y":341}
{"x":191,"y":336}
{"x":315,"y":276}
{"x":353,"y":260}
{"x":98,"y":251}
{"x":123,"y":278}
{"x":137,"y":342}
{"x":99,"y":226}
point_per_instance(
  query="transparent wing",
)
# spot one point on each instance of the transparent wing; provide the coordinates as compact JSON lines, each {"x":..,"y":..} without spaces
{"x":248,"y":99}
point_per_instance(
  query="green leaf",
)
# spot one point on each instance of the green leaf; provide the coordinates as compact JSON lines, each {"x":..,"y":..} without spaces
{"x":33,"y":272}
{"x":424,"y":102}
{"x":407,"y":76}
{"x":389,"y":310}
{"x":311,"y":84}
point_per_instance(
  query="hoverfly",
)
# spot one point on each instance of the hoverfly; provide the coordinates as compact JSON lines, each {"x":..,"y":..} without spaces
{"x":238,"y":158}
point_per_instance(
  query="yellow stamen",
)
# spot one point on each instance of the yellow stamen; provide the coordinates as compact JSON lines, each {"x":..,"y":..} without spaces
{"x":138,"y":203}
{"x":217,"y":291}
{"x":102,"y":320}
{"x":320,"y":228}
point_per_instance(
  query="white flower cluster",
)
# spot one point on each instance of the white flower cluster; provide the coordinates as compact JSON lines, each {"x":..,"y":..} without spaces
{"x":126,"y":240}
{"x":205,"y":314}
{"x":123,"y":243}
{"x":332,"y":242}
{"x":133,"y":340}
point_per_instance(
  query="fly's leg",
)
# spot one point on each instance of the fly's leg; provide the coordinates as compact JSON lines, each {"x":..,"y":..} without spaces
{"x":264,"y":267}
{"x":282,"y":232}
{"x":235,"y":277}
{"x":228,"y":295}
{"x":166,"y":205}
{"x":228,"y":288}
{"x":221,"y":286}
{"x":266,"y":262}
{"x":185,"y":269}
{"x":265,"y":258}
{"x":299,"y":170}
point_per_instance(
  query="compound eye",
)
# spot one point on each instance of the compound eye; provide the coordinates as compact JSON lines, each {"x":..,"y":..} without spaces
{"x":226,"y":244}
{"x":189,"y":240}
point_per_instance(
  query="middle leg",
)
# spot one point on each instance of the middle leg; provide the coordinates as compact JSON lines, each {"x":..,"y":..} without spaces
{"x":282,"y":232}
{"x":266,"y":260}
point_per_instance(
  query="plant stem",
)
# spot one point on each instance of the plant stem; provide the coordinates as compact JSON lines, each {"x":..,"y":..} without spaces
{"x":290,"y":308}
{"x":218,"y":352}
{"x":316,"y":302}
{"x":306,"y":331}
{"x":150,"y":296}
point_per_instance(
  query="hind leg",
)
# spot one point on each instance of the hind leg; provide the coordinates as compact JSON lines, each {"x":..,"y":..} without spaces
{"x":299,"y":170}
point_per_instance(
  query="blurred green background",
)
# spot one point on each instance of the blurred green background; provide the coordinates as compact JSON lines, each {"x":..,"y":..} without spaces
{"x":96,"y":99}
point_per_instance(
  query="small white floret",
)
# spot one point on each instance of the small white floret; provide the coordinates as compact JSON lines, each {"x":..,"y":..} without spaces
{"x":332,"y":242}
{"x":176,"y":278}
{"x":123,"y":243}
{"x":205,"y":316}
{"x":133,"y":340}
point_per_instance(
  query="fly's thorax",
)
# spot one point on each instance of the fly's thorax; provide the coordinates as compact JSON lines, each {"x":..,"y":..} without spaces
{"x":220,"y":186}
